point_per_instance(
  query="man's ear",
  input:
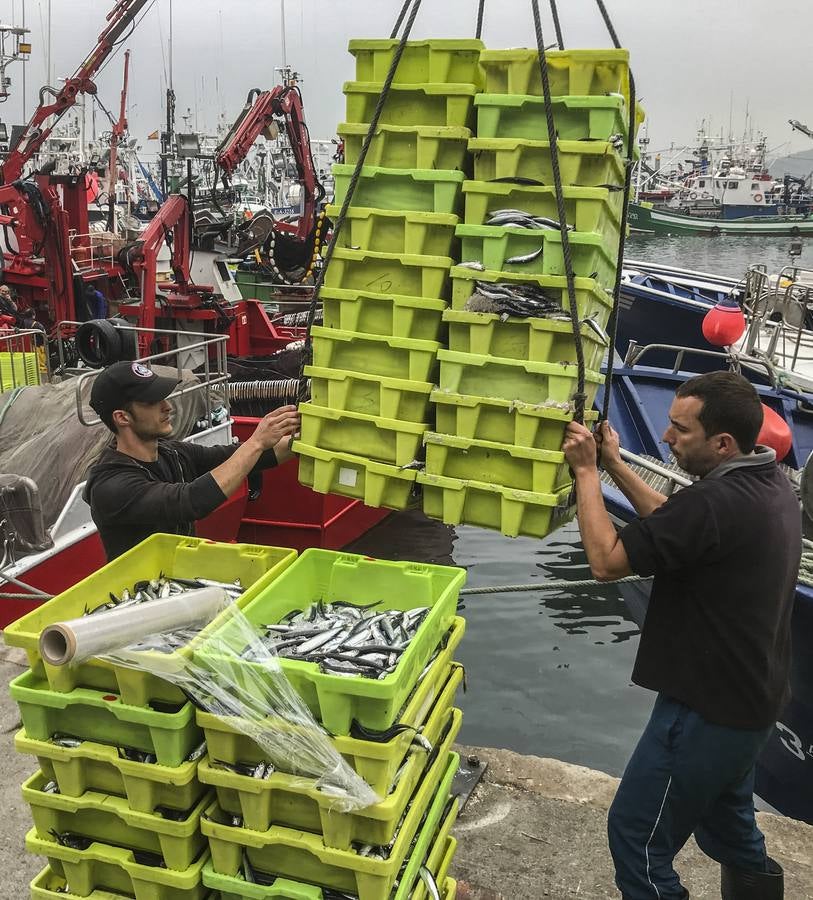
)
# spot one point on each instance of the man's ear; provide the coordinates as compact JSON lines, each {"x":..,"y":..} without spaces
{"x":727,"y":445}
{"x":121,"y":417}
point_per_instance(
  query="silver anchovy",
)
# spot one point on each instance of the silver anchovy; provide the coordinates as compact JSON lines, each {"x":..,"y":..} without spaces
{"x":528,"y":257}
{"x":429,"y":881}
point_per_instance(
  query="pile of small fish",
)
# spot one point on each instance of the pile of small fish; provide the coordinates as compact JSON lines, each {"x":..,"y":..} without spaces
{"x":520,"y":300}
{"x":522,"y":219}
{"x":344,"y":639}
{"x":162,"y":587}
{"x":132,"y":754}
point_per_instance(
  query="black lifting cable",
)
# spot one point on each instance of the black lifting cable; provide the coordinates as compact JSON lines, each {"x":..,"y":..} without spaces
{"x":579,"y":398}
{"x":400,"y":19}
{"x":351,"y":188}
{"x":554,"y":11}
{"x":612,"y":327}
{"x":481,"y":8}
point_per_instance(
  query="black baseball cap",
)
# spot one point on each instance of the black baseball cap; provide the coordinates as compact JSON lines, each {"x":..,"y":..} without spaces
{"x":126,"y":381}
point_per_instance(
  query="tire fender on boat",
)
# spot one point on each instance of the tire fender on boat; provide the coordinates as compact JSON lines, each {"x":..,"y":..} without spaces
{"x":757,"y":198}
{"x":693,"y":195}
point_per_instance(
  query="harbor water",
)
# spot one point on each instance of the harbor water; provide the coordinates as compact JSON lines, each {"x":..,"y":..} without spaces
{"x":549,"y":673}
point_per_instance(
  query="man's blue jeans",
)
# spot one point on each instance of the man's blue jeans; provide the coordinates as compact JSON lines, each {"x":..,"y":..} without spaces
{"x":685,"y":777}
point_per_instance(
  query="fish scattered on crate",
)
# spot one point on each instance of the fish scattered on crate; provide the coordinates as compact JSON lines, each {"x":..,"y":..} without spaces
{"x":508,"y":298}
{"x":160,"y":588}
{"x":522,"y":219}
{"x":344,"y":639}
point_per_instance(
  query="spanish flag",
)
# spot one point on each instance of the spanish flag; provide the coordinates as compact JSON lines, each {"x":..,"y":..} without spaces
{"x":153,"y":136}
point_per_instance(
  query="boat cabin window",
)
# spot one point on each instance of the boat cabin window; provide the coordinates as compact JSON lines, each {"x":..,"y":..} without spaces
{"x":702,"y":182}
{"x":733,"y":185}
{"x":754,"y":186}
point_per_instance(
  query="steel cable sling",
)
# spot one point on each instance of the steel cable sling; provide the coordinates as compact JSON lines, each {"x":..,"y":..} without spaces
{"x":307,"y":351}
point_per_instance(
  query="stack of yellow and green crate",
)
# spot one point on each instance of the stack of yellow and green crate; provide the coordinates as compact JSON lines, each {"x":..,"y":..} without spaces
{"x":375,"y":356}
{"x":506,"y":387}
{"x":286,"y":830}
{"x":130,"y":829}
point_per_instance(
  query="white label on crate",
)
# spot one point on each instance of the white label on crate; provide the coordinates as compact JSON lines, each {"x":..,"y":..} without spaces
{"x":348,"y":477}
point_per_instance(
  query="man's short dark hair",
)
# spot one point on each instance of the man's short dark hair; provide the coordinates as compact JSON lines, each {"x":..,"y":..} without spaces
{"x":730,"y":404}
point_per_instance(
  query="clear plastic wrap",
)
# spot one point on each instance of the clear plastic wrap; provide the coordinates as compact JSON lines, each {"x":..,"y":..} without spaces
{"x":207,"y":664}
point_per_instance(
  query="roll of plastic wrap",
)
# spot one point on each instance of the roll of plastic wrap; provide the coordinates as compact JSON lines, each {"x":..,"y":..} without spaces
{"x":79,"y":639}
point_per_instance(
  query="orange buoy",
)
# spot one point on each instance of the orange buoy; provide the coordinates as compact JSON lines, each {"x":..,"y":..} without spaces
{"x":775,"y":433}
{"x":724,"y":323}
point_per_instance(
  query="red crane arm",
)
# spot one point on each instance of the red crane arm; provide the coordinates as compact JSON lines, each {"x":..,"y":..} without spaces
{"x":261,"y":109}
{"x":119,"y":19}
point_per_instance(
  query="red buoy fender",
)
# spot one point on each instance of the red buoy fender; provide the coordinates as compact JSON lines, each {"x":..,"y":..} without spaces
{"x":775,"y":433}
{"x":724,"y":323}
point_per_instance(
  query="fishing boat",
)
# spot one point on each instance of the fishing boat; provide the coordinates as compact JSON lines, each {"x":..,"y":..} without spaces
{"x":650,"y":219}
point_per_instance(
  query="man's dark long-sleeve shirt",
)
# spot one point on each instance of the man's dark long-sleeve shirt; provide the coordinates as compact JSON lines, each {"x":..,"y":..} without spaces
{"x":130,"y":499}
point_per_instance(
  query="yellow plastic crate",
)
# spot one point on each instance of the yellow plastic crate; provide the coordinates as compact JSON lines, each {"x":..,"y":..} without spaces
{"x":283,"y":800}
{"x":114,"y":869}
{"x":365,"y":312}
{"x":574,"y":72}
{"x":536,"y":471}
{"x":507,"y":510}
{"x":448,"y":105}
{"x":18,"y":370}
{"x":407,"y":146}
{"x":175,"y":556}
{"x":374,"y":395}
{"x":581,"y":163}
{"x":375,"y":761}
{"x":591,"y":299}
{"x":532,"y":340}
{"x":374,"y":354}
{"x":591,"y":210}
{"x":380,"y":440}
{"x":511,"y":379}
{"x":375,"y":484}
{"x":433,"y":61}
{"x":419,"y":190}
{"x":494,"y":246}
{"x":409,"y":275}
{"x":393,"y":231}
{"x":512,"y":422}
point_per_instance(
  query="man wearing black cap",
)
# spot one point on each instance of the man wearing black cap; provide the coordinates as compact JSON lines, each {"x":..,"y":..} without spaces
{"x":147,"y":484}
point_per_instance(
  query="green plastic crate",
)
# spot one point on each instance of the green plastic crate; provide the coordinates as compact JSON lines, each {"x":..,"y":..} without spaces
{"x":392,"y":231}
{"x":50,"y":886}
{"x":417,"y":190}
{"x":581,"y":163}
{"x":303,"y":857}
{"x":570,"y":72}
{"x":493,"y":246}
{"x":98,"y":767}
{"x":503,"y":421}
{"x":437,"y":60}
{"x":18,"y":369}
{"x":591,"y":299}
{"x":381,"y":440}
{"x":450,"y":889}
{"x":507,"y":510}
{"x":409,"y":885}
{"x":328,"y":575}
{"x":445,"y":850}
{"x":101,"y":817}
{"x":97,"y":716}
{"x":407,"y":146}
{"x":375,"y":484}
{"x":182,"y":557}
{"x":575,"y":118}
{"x":375,"y":761}
{"x":392,"y":398}
{"x":284,"y":800}
{"x":533,"y":340}
{"x":512,"y":379}
{"x":368,"y":313}
{"x":536,"y":471}
{"x":374,"y":354}
{"x":448,"y":105}
{"x":114,"y":869}
{"x":409,"y":275}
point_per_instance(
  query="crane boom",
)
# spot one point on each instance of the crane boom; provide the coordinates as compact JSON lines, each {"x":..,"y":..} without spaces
{"x":119,"y":19}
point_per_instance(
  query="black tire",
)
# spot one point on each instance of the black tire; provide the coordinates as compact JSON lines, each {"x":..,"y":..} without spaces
{"x":102,"y":342}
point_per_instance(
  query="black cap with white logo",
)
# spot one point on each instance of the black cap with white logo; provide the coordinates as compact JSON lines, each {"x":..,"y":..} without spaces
{"x":126,"y":381}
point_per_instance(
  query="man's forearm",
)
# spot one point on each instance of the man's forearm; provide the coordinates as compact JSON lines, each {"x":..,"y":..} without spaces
{"x":605,"y":553}
{"x":230,"y":474}
{"x":644,"y":498}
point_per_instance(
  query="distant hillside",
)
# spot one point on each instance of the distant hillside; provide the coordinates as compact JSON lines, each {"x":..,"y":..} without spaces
{"x":799,"y":164}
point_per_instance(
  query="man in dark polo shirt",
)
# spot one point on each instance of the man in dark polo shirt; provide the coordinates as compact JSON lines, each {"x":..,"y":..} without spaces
{"x":715,"y":644}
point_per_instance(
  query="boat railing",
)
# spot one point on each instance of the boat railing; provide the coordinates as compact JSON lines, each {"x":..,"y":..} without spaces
{"x":733,"y":358}
{"x":209,"y":349}
{"x":23,"y":360}
{"x":94,"y":249}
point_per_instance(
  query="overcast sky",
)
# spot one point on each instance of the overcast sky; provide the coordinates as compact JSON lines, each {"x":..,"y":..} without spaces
{"x":688,"y":56}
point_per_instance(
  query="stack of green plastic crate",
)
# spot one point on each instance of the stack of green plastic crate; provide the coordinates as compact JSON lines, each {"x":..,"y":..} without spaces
{"x":506,"y":386}
{"x":375,"y":356}
{"x":111,"y":823}
{"x":280,"y":836}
